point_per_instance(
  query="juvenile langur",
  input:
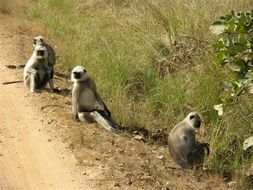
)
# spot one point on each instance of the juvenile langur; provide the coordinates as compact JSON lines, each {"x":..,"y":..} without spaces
{"x":182,"y":144}
{"x":85,"y":95}
{"x":39,"y":40}
{"x":36,"y":72}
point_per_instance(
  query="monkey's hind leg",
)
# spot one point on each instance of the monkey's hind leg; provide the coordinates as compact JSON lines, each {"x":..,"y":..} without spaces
{"x":87,"y":115}
{"x":33,"y":81}
{"x":50,"y":80}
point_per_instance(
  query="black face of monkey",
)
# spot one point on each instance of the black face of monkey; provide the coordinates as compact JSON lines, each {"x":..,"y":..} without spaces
{"x":40,"y":53}
{"x":196,"y":120}
{"x":197,"y":123}
{"x":77,"y":75}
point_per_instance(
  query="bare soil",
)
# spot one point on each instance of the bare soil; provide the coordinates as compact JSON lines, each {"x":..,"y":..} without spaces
{"x":41,"y":147}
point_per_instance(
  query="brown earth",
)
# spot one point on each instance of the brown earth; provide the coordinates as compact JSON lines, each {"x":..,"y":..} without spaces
{"x":41,"y":147}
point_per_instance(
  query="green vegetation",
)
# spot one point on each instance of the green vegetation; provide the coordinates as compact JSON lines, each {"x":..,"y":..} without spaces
{"x":234,"y":50}
{"x":153,"y":62}
{"x":5,"y":6}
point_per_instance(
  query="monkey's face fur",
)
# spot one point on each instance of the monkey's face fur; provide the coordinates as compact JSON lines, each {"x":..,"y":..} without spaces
{"x":40,"y":52}
{"x":38,"y":40}
{"x":79,"y":73}
{"x":194,"y":120}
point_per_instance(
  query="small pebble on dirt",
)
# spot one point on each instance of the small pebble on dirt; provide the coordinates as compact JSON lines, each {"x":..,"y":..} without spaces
{"x":84,"y":173}
{"x":166,"y":186}
{"x":116,"y":184}
{"x":49,"y":121}
{"x":160,"y":157}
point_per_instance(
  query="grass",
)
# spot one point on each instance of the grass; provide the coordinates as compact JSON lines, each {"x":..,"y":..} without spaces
{"x":5,"y":6}
{"x":153,"y":63}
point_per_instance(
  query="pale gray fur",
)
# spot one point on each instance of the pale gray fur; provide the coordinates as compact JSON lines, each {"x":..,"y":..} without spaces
{"x":36,"y":69}
{"x":182,"y":141}
{"x":39,"y":40}
{"x":84,"y":93}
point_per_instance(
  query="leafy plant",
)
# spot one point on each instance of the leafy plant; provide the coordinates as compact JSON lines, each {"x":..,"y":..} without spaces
{"x":235,"y":51}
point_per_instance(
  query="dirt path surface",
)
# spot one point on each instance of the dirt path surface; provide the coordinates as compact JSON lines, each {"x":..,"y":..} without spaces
{"x":28,"y":157}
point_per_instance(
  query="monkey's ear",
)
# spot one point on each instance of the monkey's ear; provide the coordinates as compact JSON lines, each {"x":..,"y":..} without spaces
{"x":84,"y":71}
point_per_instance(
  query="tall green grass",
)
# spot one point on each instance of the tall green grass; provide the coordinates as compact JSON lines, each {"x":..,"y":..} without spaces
{"x":5,"y":6}
{"x":153,"y":63}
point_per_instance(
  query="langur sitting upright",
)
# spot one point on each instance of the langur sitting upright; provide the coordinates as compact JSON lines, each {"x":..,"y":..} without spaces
{"x":39,"y":40}
{"x":85,"y":95}
{"x":182,"y":144}
{"x":36,"y":72}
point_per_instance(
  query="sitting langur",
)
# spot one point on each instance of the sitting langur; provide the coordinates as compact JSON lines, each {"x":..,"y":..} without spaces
{"x":39,"y":40}
{"x":36,"y":72}
{"x":85,"y":95}
{"x":182,"y":144}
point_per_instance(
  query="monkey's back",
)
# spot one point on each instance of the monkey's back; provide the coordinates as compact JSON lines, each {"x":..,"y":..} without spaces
{"x":179,"y":143}
{"x":51,"y":55}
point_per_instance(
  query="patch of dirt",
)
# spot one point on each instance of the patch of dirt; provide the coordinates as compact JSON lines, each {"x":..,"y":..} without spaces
{"x":32,"y":156}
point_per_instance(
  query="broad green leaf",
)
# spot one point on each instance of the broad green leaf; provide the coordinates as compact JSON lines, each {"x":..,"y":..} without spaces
{"x":221,"y":58}
{"x":250,"y":89}
{"x":219,"y":44}
{"x":248,"y":143}
{"x":219,"y":108}
{"x":235,"y":67}
{"x":249,"y":75}
{"x":217,"y":28}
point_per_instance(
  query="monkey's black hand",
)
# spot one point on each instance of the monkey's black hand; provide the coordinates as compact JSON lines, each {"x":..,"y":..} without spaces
{"x":108,"y":113}
{"x":77,"y":118}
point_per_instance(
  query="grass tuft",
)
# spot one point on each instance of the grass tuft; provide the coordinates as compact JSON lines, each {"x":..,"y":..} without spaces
{"x":5,"y":6}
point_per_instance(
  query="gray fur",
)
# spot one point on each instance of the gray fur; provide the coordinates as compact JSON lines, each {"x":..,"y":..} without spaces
{"x":181,"y":141}
{"x":36,"y":71}
{"x":39,"y":40}
{"x":84,"y":94}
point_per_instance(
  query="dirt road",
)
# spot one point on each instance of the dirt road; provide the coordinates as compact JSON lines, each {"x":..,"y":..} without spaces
{"x":29,"y":159}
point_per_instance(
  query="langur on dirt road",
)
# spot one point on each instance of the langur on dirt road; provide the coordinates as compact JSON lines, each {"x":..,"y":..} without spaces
{"x":85,"y":95}
{"x":37,"y":73}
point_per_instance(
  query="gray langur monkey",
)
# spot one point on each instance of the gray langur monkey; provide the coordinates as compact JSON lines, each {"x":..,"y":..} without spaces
{"x":37,"y":72}
{"x":39,"y":40}
{"x":182,"y":143}
{"x":85,"y":95}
